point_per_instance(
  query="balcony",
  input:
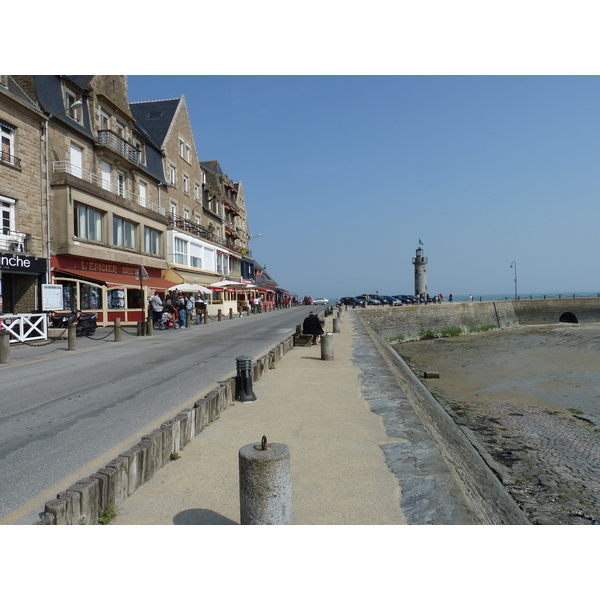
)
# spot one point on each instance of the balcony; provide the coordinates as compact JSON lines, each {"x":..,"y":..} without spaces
{"x":113,"y":142}
{"x":5,"y":157}
{"x":13,"y":241}
{"x":64,"y":166}
{"x":199,"y":232}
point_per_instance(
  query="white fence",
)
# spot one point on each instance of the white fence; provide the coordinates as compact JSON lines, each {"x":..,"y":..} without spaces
{"x":25,"y":327}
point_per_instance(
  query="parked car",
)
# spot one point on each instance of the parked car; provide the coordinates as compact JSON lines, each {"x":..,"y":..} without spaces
{"x":390,"y":300}
{"x":369,"y":300}
{"x":320,"y":301}
{"x":408,"y":299}
{"x":351,"y":301}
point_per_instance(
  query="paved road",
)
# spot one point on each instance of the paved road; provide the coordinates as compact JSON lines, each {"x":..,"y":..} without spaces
{"x":64,"y":414}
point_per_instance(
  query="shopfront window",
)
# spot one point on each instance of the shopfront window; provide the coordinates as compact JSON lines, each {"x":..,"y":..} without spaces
{"x":124,"y":298}
{"x":82,"y":296}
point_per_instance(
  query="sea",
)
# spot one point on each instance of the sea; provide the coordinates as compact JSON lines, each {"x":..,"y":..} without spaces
{"x":521,"y":296}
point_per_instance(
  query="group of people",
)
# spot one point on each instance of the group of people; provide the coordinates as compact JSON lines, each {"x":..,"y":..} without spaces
{"x":173,"y":310}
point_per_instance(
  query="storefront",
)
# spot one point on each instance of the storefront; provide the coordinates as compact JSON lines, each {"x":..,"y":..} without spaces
{"x":111,"y":289}
{"x":21,"y":277}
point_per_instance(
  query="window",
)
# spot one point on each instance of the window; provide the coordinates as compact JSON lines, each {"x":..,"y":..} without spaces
{"x":203,"y":177}
{"x":104,"y":120}
{"x":196,"y":192}
{"x":7,"y":133}
{"x":88,"y":223}
{"x":76,"y":160}
{"x":181,"y":147}
{"x":186,"y":185}
{"x":7,"y":221}
{"x":186,"y":214}
{"x":195,"y":256}
{"x":172,"y":175}
{"x":222,"y":263}
{"x":180,"y":251}
{"x":173,"y":209}
{"x":151,"y":241}
{"x":188,"y":153}
{"x":74,"y":113}
{"x":120,"y":183}
{"x":124,"y":233}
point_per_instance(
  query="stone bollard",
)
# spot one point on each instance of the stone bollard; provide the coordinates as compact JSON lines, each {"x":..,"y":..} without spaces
{"x":117,"y":329}
{"x":244,"y":379}
{"x":219,"y":315}
{"x":71,"y":335}
{"x":140,"y":328}
{"x":327,"y":346}
{"x":149,"y":325}
{"x":336,"y":325}
{"x":231,"y":313}
{"x":265,"y":484}
{"x":206,"y":316}
{"x":4,"y":346}
{"x":188,"y":319}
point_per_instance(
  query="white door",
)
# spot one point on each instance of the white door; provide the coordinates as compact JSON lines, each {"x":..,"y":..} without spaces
{"x":105,"y":176}
{"x":142,"y":194}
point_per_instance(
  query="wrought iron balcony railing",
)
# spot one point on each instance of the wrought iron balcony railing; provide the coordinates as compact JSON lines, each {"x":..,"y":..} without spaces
{"x":10,"y":159}
{"x":117,"y":144}
{"x":200,"y":232}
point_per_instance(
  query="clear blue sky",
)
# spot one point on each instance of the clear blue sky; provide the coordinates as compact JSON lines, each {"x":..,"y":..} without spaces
{"x":343,"y":175}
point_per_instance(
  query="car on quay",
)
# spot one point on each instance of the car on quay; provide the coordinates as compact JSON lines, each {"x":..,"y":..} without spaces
{"x":320,"y":301}
{"x":369,"y":299}
{"x":389,"y":300}
{"x":350,"y":301}
{"x":408,"y":299}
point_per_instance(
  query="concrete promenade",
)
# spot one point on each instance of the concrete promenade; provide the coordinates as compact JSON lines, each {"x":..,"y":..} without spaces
{"x":359,"y":454}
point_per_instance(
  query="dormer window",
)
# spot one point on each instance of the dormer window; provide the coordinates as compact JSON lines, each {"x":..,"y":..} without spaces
{"x":74,"y":113}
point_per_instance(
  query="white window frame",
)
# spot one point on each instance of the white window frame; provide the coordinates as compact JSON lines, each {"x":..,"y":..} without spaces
{"x":181,"y":147}
{"x":180,"y":251}
{"x":106,"y":176}
{"x":121,"y":179}
{"x":89,"y":223}
{"x":70,"y":98}
{"x":151,"y":241}
{"x":142,"y":193}
{"x":7,"y":132}
{"x":172,"y":175}
{"x":124,"y":233}
{"x":188,"y":153}
{"x":104,"y":120}
{"x":196,"y":192}
{"x":186,"y":185}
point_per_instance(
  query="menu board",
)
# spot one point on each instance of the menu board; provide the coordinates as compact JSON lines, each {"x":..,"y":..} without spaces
{"x":52,"y":297}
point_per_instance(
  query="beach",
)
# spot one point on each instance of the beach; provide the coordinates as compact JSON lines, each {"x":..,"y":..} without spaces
{"x":530,"y":397}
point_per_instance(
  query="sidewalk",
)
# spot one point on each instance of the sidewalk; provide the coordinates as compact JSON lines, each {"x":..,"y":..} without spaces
{"x":339,"y":447}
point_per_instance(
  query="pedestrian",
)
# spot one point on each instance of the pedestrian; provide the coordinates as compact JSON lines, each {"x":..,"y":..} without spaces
{"x":181,"y":311}
{"x":200,"y":308}
{"x":156,"y":304}
{"x":312,"y":326}
{"x":470,"y":297}
{"x":450,"y":298}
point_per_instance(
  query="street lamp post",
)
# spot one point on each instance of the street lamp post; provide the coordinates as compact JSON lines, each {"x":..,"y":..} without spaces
{"x":75,"y":105}
{"x":514,"y":264}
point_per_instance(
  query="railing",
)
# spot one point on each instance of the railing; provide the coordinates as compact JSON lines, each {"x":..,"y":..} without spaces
{"x":13,"y":241}
{"x":117,"y":144}
{"x":200,"y":232}
{"x":25,"y":327}
{"x":64,"y":166}
{"x":10,"y":159}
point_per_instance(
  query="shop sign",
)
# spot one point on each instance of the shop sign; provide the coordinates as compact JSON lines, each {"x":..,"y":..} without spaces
{"x":22,"y":264}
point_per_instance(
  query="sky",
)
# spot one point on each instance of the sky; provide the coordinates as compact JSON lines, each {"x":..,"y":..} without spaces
{"x":344,"y":176}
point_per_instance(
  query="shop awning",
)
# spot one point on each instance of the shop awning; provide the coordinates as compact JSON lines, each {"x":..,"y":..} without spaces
{"x":195,"y":278}
{"x":115,"y":279}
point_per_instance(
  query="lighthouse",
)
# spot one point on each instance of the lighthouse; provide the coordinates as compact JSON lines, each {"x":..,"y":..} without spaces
{"x":420,"y":263}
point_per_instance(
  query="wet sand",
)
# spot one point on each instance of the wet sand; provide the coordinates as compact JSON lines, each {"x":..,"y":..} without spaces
{"x":530,"y":396}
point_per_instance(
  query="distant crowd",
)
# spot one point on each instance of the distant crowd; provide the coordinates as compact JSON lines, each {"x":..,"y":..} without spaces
{"x":173,"y":310}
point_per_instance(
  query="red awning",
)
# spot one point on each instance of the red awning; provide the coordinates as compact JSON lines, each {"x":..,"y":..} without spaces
{"x":114,"y":279}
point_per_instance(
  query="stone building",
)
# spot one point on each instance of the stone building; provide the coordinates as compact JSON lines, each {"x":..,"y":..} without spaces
{"x":107,"y":217}
{"x":23,"y":258}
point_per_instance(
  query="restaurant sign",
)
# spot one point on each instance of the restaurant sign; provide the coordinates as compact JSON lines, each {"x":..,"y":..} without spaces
{"x":18,"y":263}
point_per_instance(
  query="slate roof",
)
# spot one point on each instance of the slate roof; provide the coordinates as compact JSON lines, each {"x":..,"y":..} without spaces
{"x":155,"y":117}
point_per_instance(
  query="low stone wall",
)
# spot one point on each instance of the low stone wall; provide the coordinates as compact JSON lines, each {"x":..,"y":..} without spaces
{"x":413,"y":322}
{"x":86,"y":500}
{"x":486,"y":495}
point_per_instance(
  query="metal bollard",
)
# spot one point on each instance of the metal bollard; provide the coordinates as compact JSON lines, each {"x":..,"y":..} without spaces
{"x":117,"y":329}
{"x":327,"y":346}
{"x":71,"y":336}
{"x":336,"y":325}
{"x":265,"y":484}
{"x":244,"y":379}
{"x":4,"y":346}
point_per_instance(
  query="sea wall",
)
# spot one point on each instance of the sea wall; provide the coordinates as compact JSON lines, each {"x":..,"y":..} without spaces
{"x":426,"y":320}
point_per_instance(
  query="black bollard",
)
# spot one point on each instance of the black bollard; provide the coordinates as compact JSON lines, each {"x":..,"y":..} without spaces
{"x":244,"y":379}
